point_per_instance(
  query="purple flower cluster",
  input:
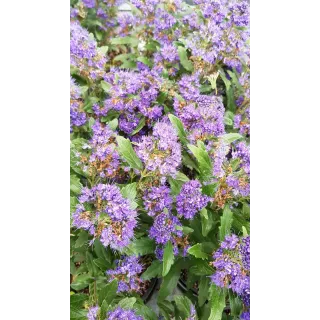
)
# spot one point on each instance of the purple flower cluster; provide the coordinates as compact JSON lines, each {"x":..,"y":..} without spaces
{"x":232,"y":264}
{"x":219,"y":157}
{"x":245,"y":315}
{"x":161,"y":151}
{"x":122,"y":314}
{"x":166,"y":227}
{"x":239,"y":185}
{"x":156,"y":199}
{"x":127,"y":273}
{"x":166,"y":58}
{"x":223,"y":34}
{"x":242,"y":122}
{"x":84,"y":54}
{"x":77,"y":117}
{"x":202,"y":115}
{"x":242,"y":152}
{"x":99,"y":156}
{"x":191,"y":200}
{"x":92,"y":313}
{"x":132,"y":93}
{"x":106,"y":214}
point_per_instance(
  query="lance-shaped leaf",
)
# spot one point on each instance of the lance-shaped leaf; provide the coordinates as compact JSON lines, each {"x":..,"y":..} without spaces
{"x":205,"y":164}
{"x":168,"y":259}
{"x":226,"y":222}
{"x":186,"y":63}
{"x":127,"y":152}
{"x":217,"y":302}
{"x":176,"y":122}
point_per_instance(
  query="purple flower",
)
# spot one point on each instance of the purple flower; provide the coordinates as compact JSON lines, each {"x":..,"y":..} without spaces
{"x":89,"y":3}
{"x":219,"y":157}
{"x":100,"y":155}
{"x":232,"y":266}
{"x":106,"y":214}
{"x":122,"y":314}
{"x":84,"y":54}
{"x":92,"y":313}
{"x":157,"y":199}
{"x":77,"y":116}
{"x":242,"y":152}
{"x":191,"y":200}
{"x":127,"y":272}
{"x":133,"y":94}
{"x":161,"y":152}
{"x":245,"y":315}
{"x":164,"y":228}
{"x":240,"y":185}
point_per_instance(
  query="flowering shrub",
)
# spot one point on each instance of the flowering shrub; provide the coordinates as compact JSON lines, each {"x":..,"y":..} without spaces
{"x":160,"y":159}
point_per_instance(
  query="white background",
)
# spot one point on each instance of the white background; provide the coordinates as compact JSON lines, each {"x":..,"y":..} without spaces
{"x":285,"y":87}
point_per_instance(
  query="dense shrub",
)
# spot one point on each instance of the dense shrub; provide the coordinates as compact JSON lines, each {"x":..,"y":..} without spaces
{"x":160,"y":158}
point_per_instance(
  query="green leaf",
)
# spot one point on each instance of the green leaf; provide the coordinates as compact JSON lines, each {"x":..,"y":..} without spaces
{"x":226,"y":222}
{"x":108,"y":292}
{"x":235,"y":304}
{"x":77,"y":300}
{"x":102,"y":264}
{"x":145,"y":312}
{"x":244,"y":231}
{"x":113,"y":124}
{"x":81,"y":282}
{"x":206,"y":222}
{"x":187,"y":230}
{"x":239,"y":222}
{"x":177,"y":183}
{"x":153,"y":271}
{"x":75,"y":184}
{"x":73,"y":203}
{"x":79,"y":314}
{"x":228,"y":118}
{"x":127,"y":152}
{"x":203,"y":290}
{"x":246,"y":210}
{"x":196,"y":251}
{"x":104,"y":49}
{"x":204,"y":161}
{"x":217,"y":303}
{"x":186,"y":63}
{"x":90,"y":265}
{"x":112,"y":114}
{"x":230,"y":137}
{"x":101,"y":251}
{"x":130,"y":191}
{"x":189,"y":162}
{"x":231,"y":106}
{"x":105,"y":306}
{"x":82,"y":239}
{"x":141,"y":246}
{"x":184,"y":305}
{"x":145,"y":60}
{"x":105,"y":86}
{"x":201,"y":268}
{"x":235,"y":80}
{"x":124,"y":57}
{"x":141,"y":124}
{"x":169,"y":282}
{"x":176,"y":122}
{"x":166,"y":309}
{"x":127,"y":303}
{"x":168,"y":258}
{"x":133,"y":41}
